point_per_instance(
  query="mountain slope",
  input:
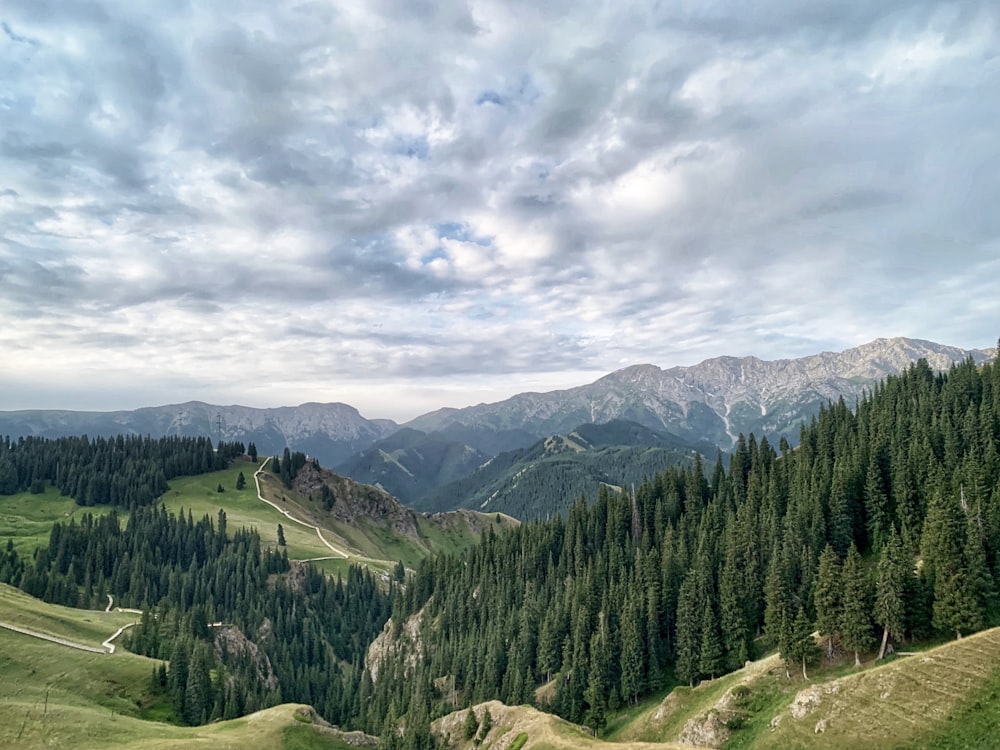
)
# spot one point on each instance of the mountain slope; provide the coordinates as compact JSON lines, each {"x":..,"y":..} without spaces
{"x":945,"y":697}
{"x":714,"y":400}
{"x":409,"y":463}
{"x":370,"y":523}
{"x":550,"y":475}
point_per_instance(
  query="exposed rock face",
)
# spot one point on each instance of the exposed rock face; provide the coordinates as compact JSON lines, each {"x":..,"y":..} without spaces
{"x":355,"y":500}
{"x":808,"y":700}
{"x":233,"y":641}
{"x":388,"y":644}
{"x":714,"y":400}
{"x":708,"y":730}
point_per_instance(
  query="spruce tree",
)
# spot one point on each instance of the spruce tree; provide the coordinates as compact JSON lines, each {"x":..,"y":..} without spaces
{"x":688,"y":632}
{"x":955,"y":607}
{"x":596,"y":693}
{"x":827,"y":597}
{"x":890,"y":591}
{"x":631,"y":661}
{"x":855,"y":623}
{"x":800,"y":647}
{"x":471,"y":725}
{"x":710,"y":659}
{"x":486,"y":725}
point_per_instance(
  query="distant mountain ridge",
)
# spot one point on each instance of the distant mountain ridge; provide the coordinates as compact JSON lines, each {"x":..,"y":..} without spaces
{"x":330,"y":432}
{"x":714,"y":400}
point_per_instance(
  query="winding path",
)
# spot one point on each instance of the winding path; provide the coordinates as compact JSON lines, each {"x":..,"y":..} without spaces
{"x":290,"y":517}
{"x":108,"y":643}
{"x":60,"y":641}
{"x":111,"y":603}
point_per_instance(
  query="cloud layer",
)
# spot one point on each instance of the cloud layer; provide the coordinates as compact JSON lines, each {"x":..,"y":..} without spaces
{"x":404,"y":205}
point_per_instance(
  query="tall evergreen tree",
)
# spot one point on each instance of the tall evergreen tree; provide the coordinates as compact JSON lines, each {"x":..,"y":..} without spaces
{"x":800,"y":648}
{"x":855,"y":624}
{"x":890,"y":591}
{"x":827,"y":597}
{"x":956,"y":608}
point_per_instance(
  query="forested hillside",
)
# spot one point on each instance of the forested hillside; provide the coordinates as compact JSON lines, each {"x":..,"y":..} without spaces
{"x":282,"y":632}
{"x":884,"y":523}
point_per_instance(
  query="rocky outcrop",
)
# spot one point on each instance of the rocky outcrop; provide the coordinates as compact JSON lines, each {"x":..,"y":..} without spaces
{"x":353,"y":500}
{"x":232,"y":640}
{"x":390,"y":643}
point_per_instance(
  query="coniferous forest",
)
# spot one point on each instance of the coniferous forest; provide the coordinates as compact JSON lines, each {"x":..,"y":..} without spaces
{"x":882,"y":525}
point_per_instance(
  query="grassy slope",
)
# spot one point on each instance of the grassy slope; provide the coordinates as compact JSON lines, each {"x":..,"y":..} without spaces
{"x":27,"y":518}
{"x":86,"y":626}
{"x":200,"y":495}
{"x":912,"y":702}
{"x":945,"y":698}
{"x":544,"y":732}
{"x":373,"y":541}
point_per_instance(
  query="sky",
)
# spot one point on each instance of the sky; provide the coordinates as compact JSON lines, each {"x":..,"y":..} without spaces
{"x":403,"y":204}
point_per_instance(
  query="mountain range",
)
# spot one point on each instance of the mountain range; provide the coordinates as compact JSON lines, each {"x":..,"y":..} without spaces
{"x":715,"y":400}
{"x":708,"y":403}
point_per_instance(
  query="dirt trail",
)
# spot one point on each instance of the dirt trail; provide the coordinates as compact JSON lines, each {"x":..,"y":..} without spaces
{"x":289,"y":516}
{"x":60,"y":641}
{"x":111,"y":603}
{"x":108,"y":643}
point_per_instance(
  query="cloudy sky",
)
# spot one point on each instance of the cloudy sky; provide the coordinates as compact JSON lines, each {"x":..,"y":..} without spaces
{"x":403,"y":204}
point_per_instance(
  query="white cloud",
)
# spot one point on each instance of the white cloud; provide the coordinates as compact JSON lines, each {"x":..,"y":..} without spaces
{"x":446,"y":201}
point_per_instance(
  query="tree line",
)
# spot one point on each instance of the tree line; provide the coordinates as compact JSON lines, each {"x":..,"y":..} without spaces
{"x":124,"y":471}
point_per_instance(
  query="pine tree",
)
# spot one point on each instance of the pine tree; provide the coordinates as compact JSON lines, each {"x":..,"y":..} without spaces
{"x":471,"y":725}
{"x":800,"y":648}
{"x":486,"y":725}
{"x":198,"y":691}
{"x":688,"y":631}
{"x":596,"y":693}
{"x":890,"y":591}
{"x":732,"y":615}
{"x":855,"y":624}
{"x":281,"y":536}
{"x":710,"y":661}
{"x":955,"y":607}
{"x":827,"y":597}
{"x":631,"y":661}
{"x":241,"y":481}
